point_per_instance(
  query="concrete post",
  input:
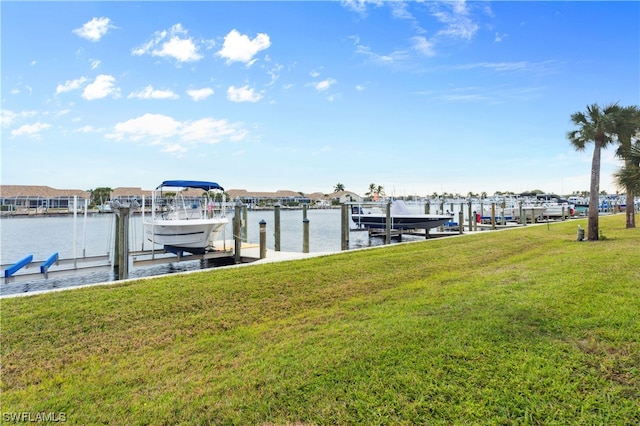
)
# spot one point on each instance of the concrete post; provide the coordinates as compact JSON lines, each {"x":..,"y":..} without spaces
{"x":305,"y":235}
{"x":277,"y":226}
{"x":344,"y":245}
{"x":493,"y":216}
{"x":387,"y":239}
{"x":237,"y":239}
{"x":263,"y":239}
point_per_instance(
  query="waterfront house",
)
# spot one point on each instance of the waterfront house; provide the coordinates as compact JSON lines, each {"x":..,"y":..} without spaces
{"x":32,"y":199}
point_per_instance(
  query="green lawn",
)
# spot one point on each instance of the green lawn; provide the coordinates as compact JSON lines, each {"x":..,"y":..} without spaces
{"x":525,"y":326}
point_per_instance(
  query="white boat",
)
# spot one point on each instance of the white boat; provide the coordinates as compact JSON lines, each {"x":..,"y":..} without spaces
{"x":513,"y":212}
{"x":183,"y":220}
{"x":400,"y":218}
{"x":558,"y":209}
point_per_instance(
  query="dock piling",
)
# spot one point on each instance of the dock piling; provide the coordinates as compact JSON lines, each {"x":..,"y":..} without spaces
{"x":345,"y":228}
{"x":237,"y":239}
{"x":276,"y":213}
{"x":305,"y":235}
{"x":263,"y":239}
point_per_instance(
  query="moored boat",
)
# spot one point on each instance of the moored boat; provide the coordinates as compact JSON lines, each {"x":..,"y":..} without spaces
{"x":183,"y":220}
{"x":400,"y":218}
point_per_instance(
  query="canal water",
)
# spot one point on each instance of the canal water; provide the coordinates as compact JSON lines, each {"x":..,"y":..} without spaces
{"x":93,"y":235}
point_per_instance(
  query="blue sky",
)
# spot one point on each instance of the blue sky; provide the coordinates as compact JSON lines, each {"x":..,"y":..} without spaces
{"x":418,"y":97}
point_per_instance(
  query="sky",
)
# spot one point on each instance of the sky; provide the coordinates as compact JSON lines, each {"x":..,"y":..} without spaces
{"x":418,"y":97}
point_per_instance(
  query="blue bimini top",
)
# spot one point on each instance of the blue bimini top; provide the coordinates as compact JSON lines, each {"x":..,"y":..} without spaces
{"x":191,"y":184}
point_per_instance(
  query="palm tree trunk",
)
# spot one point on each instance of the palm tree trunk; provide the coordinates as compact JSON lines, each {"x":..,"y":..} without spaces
{"x":592,"y":226}
{"x":631,"y":216}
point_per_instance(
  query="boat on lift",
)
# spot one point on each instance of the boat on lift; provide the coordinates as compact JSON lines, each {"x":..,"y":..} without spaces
{"x":186,"y":216}
{"x":400,"y":218}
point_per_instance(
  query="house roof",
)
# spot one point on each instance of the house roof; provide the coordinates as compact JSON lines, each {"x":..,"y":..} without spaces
{"x":12,"y":191}
{"x":281,"y":193}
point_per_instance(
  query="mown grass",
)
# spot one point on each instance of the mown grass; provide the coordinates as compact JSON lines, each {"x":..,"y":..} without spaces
{"x":526,"y":326}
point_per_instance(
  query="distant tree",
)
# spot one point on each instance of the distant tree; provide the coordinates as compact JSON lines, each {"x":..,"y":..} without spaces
{"x":338,"y":188}
{"x":380,"y":190}
{"x":628,"y":130}
{"x":101,"y":195}
{"x":629,"y":175}
{"x":597,"y":125}
{"x":372,"y":190}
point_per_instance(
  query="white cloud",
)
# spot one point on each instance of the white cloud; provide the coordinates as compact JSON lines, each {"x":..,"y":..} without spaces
{"x":239,"y":48}
{"x":86,"y":129}
{"x":30,"y":130}
{"x":242,"y":94}
{"x":70,"y":85}
{"x":423,"y":46}
{"x":359,"y":6}
{"x":208,"y":130}
{"x":200,"y":94}
{"x":101,"y":87}
{"x":9,"y":117}
{"x":172,"y":44}
{"x":95,"y":29}
{"x":174,"y":136}
{"x":175,"y":149}
{"x":398,"y":55}
{"x":455,"y":16}
{"x":155,"y":126}
{"x":150,"y":93}
{"x":95,"y":63}
{"x":323,"y":85}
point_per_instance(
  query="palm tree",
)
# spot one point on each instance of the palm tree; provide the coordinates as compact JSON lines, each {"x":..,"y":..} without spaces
{"x":628,"y":128}
{"x":597,"y":125}
{"x":629,"y":175}
{"x":371,"y":191}
{"x":338,"y":188}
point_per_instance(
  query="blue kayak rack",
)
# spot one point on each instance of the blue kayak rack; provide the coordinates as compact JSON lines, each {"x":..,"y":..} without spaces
{"x":27,"y":260}
{"x":18,"y":265}
{"x":44,"y":268}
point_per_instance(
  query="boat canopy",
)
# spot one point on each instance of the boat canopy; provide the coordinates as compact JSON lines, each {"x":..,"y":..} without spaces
{"x":190,"y":184}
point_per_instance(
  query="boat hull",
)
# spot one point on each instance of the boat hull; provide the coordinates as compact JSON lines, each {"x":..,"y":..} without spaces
{"x":400,"y":222}
{"x":194,"y":236}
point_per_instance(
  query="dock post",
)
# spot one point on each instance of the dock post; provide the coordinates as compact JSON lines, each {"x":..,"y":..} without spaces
{"x":344,"y":245}
{"x":304,"y":211}
{"x":237,"y":238}
{"x":121,"y":246}
{"x":493,"y":216}
{"x":244,"y":223}
{"x":427,"y":207}
{"x":460,"y":221}
{"x":470,"y":218}
{"x":387,"y":239}
{"x":263,"y":239}
{"x":277,"y":226}
{"x":305,"y":235}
